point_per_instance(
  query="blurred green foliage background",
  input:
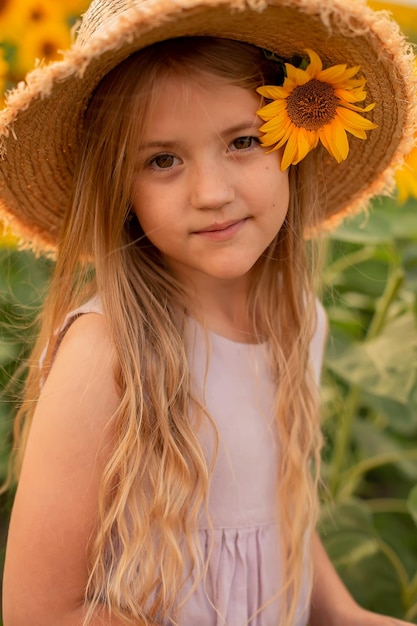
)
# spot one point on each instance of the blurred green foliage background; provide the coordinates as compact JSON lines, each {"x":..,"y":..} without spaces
{"x":369,"y":518}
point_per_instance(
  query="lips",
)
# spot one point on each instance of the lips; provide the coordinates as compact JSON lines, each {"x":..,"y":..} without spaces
{"x":214,"y":228}
{"x":223,"y":231}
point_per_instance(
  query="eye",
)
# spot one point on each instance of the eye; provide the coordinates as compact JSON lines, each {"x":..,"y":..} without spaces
{"x":244,"y":143}
{"x":163,"y":161}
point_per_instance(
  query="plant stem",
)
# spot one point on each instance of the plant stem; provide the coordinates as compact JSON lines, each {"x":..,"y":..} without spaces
{"x":412,"y":592}
{"x":392,"y":287}
{"x":412,"y":612}
{"x":388,"y":505}
{"x":396,"y":563}
{"x":340,"y":265}
{"x":344,"y":433}
{"x":355,"y":472}
{"x":343,"y":437}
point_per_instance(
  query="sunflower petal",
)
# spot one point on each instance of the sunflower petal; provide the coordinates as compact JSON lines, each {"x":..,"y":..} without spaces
{"x":315,"y":66}
{"x":280,"y":143}
{"x":352,"y":107}
{"x":294,"y":74}
{"x":283,"y":141}
{"x":277,"y":125}
{"x":273,"y":109}
{"x":340,"y":140}
{"x":338,"y":74}
{"x":306,"y":142}
{"x":353,"y":83}
{"x":352,"y":120}
{"x":333,"y":74}
{"x":325,"y":138}
{"x":336,"y":142}
{"x":354,"y":95}
{"x":290,"y":152}
{"x":276,"y":135}
{"x":272,"y":92}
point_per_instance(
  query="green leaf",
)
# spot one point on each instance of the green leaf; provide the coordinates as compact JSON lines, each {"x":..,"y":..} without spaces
{"x":412,"y":503}
{"x":373,"y":441}
{"x":8,"y":352}
{"x":401,"y":418}
{"x":365,"y":229}
{"x":385,"y":222}
{"x":385,"y":366}
{"x":352,"y":515}
{"x":353,"y":544}
{"x":410,"y":267}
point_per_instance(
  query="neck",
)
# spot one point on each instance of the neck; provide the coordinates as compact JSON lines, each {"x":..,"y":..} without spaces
{"x":222,"y":308}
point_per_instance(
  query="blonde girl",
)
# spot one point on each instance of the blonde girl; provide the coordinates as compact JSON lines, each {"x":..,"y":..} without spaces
{"x":180,"y":162}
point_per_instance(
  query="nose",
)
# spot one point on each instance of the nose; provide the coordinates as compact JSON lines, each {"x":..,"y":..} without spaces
{"x":212,"y":186}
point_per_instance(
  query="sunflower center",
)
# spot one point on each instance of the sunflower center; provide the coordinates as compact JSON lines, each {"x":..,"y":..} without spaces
{"x":312,"y":105}
{"x":37,"y":14}
{"x":48,"y":49}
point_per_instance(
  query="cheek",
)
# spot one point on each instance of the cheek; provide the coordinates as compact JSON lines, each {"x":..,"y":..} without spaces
{"x":144,"y":216}
{"x":272,"y":175}
{"x":144,"y":209}
{"x":277,"y":191}
{"x":156,"y":220}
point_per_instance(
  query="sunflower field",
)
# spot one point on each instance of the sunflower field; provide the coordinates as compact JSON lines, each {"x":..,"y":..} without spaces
{"x":369,"y":383}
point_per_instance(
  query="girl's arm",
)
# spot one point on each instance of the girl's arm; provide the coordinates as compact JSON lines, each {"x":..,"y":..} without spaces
{"x":332,"y":604}
{"x":55,"y":510}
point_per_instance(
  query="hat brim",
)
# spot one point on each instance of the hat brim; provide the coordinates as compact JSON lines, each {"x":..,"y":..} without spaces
{"x":41,"y":125}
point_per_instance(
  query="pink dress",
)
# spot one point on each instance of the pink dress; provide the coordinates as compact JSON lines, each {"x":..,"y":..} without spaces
{"x":233,"y":382}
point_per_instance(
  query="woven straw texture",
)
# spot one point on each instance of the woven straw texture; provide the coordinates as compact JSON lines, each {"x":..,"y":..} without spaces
{"x":41,"y":124}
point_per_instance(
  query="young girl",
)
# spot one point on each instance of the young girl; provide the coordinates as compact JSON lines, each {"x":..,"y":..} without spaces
{"x":177,"y":162}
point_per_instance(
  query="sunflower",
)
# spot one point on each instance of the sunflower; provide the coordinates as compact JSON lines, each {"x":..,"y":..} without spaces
{"x":314,"y":105}
{"x":3,"y":74}
{"x":42,"y":41}
{"x":406,"y":177}
{"x":7,"y":240}
{"x":76,"y":7}
{"x":9,"y":17}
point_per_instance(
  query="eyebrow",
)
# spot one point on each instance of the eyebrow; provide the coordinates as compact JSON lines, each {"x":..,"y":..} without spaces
{"x":167,"y":145}
{"x":252,"y":123}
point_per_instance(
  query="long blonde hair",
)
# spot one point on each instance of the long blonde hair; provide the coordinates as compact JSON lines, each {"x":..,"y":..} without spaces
{"x":157,"y":479}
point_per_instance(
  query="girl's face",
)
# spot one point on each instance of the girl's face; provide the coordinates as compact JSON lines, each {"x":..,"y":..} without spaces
{"x":205,"y":193}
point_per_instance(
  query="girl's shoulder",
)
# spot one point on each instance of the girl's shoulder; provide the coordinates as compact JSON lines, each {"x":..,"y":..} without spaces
{"x":84,"y":344}
{"x":90,"y":324}
{"x":93,"y":305}
{"x":85,"y":330}
{"x":82,"y":371}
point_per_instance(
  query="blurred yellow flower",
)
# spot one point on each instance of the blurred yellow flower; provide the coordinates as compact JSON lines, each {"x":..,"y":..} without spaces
{"x":42,"y":42}
{"x":7,"y":240}
{"x":76,"y":7}
{"x":32,"y":12}
{"x":406,"y":178}
{"x":16,"y":16}
{"x":404,"y":13}
{"x":20,"y":17}
{"x":31,"y":30}
{"x":7,"y":10}
{"x":3,"y":74}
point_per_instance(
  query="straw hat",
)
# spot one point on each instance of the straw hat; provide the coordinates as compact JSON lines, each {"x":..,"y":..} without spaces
{"x":42,"y":122}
